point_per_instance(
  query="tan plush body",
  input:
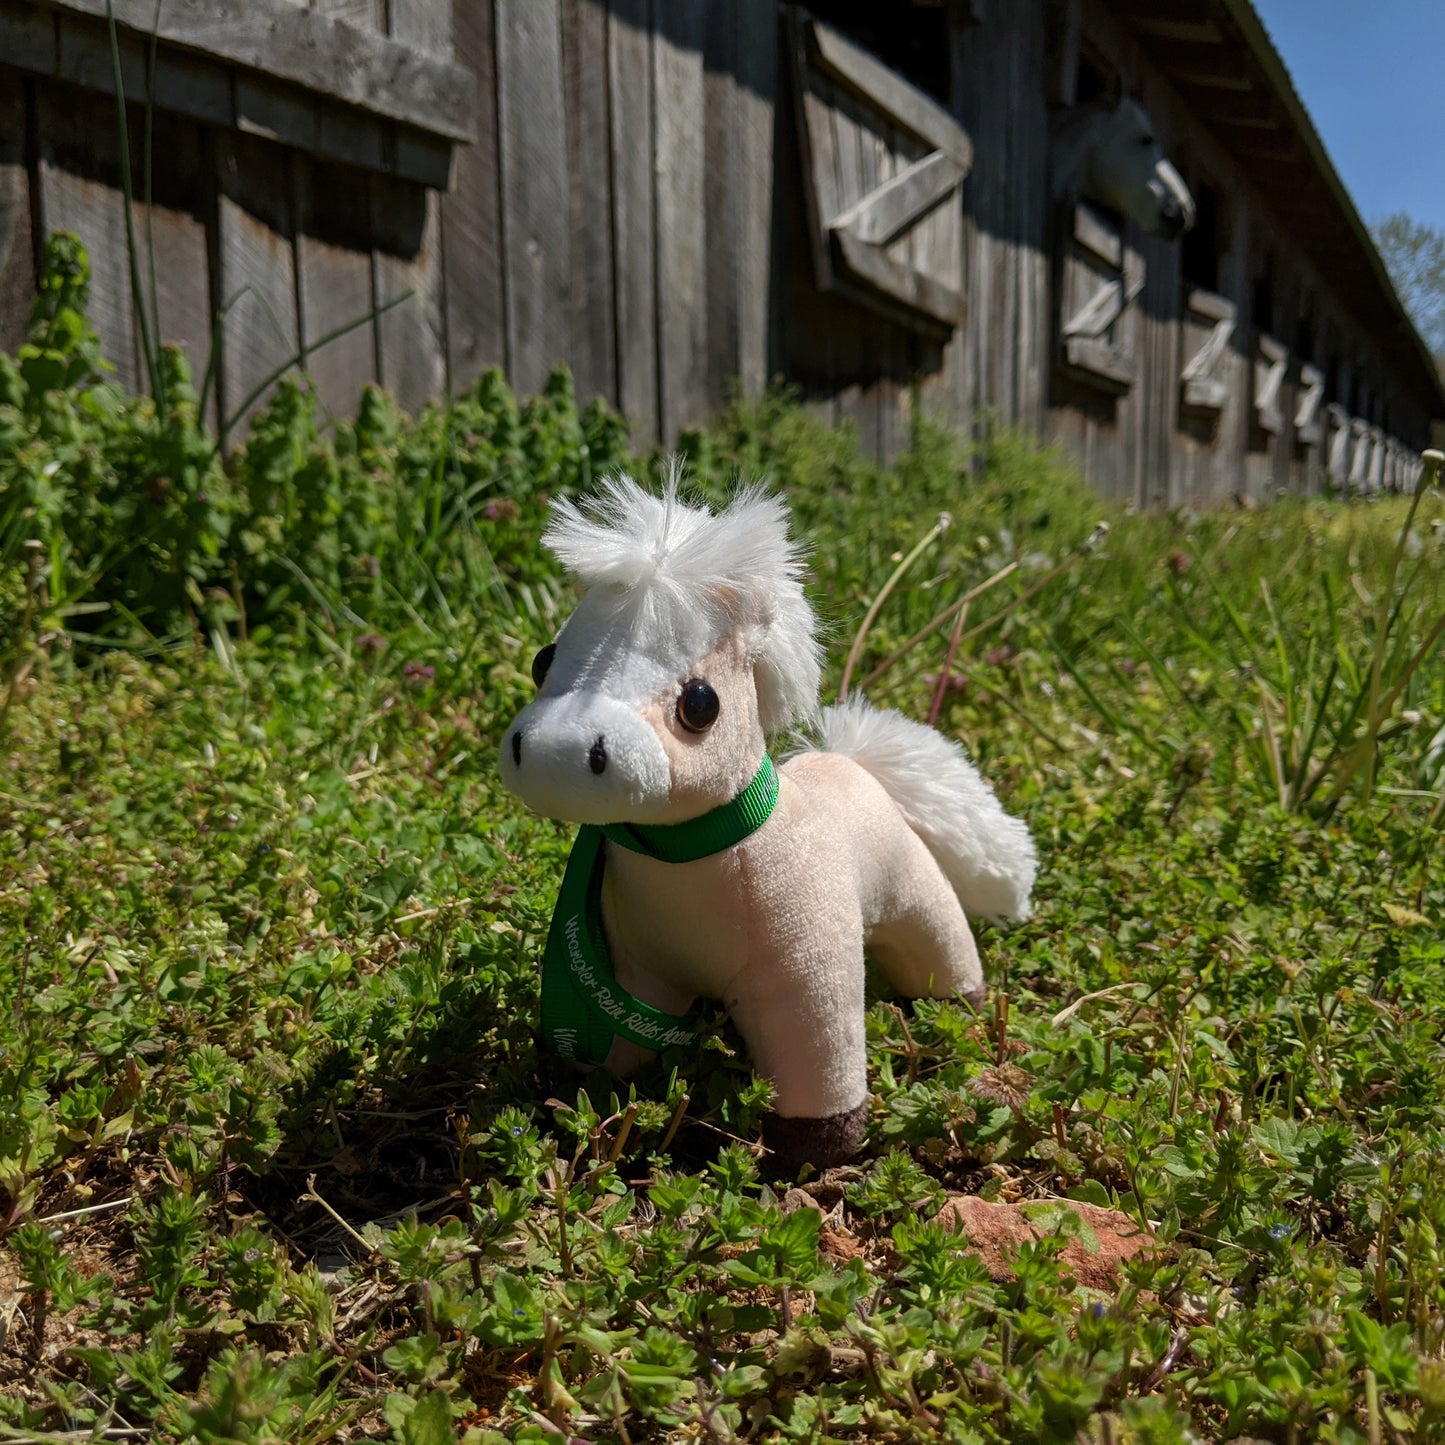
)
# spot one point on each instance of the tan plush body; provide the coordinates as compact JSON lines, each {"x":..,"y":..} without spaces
{"x":775,"y":928}
{"x":869,"y":846}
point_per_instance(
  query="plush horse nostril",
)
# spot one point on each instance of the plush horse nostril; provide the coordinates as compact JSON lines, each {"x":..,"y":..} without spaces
{"x":517,"y":747}
{"x":597,"y":758}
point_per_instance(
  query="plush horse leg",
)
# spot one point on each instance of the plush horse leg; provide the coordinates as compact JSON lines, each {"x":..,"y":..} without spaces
{"x":802,"y":1020}
{"x":926,"y":948}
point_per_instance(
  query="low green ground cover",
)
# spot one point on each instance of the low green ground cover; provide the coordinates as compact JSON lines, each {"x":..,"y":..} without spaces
{"x":279,"y":1159}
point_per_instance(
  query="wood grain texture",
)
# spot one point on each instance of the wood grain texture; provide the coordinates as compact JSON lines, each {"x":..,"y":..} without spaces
{"x":721,"y":106}
{"x":309,"y":49}
{"x":537,"y":255}
{"x":411,"y":344}
{"x":812,"y":122}
{"x":80,"y":191}
{"x":172,"y":234}
{"x":364,"y":14}
{"x":904,"y":103}
{"x":472,"y":214}
{"x":17,"y":254}
{"x":683,"y":399}
{"x":754,"y":118}
{"x":285,"y":114}
{"x":256,"y":268}
{"x":632,"y":141}
{"x":334,"y":282}
{"x":426,"y":24}
{"x":589,"y":195}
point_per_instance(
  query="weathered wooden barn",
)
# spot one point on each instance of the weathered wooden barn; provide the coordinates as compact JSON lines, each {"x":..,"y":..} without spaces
{"x":677,"y":197}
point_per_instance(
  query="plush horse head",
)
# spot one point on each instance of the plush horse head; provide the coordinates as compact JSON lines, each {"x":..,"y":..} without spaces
{"x":704,"y":870}
{"x":1107,"y":151}
{"x":693,"y":640}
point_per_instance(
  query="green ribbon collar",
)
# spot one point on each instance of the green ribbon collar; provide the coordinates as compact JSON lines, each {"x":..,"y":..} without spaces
{"x":723,"y":827}
{"x":583,"y":1005}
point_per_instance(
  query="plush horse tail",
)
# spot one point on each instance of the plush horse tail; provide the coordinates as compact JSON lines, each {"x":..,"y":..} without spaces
{"x":985,"y":854}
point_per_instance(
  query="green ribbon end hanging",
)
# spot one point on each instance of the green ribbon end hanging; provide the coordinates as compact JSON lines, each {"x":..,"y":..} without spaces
{"x":583,"y":1006}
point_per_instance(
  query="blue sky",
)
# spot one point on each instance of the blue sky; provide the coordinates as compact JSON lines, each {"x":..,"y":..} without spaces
{"x":1371,"y":77}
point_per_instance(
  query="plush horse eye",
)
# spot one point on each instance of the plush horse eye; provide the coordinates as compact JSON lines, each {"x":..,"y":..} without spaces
{"x":697,"y":706}
{"x":542,"y":663}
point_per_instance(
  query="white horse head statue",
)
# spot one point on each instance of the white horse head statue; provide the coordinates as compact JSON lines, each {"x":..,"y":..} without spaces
{"x":1107,"y":151}
{"x":705,"y":870}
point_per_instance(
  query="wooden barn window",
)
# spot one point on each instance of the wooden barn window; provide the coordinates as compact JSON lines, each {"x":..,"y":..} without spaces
{"x":1101,"y":278}
{"x":883,"y":163}
{"x":1206,"y":333}
{"x":1201,"y":246}
{"x":1271,"y":359}
{"x":1309,"y":410}
{"x":909,"y":38}
{"x":1337,"y":444}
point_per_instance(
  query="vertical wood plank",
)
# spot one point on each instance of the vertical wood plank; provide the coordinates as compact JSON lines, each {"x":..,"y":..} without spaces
{"x":172,"y":235}
{"x":804,"y":319}
{"x":584,"y":46}
{"x":411,"y":345}
{"x":721,"y":104}
{"x":80,"y":191}
{"x":954,"y":393}
{"x":681,"y":216}
{"x":1235,"y":271}
{"x":836,"y":165}
{"x":256,"y":267}
{"x":633,"y":145}
{"x":17,"y":253}
{"x":535,"y":222}
{"x":333,"y":274}
{"x":1032,"y":224}
{"x":756,"y":96}
{"x":472,"y":214}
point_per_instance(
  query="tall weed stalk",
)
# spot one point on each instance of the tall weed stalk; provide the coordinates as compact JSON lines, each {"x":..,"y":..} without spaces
{"x":1320,"y":694}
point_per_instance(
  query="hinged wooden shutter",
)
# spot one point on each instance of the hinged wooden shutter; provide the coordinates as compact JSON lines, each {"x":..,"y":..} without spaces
{"x":1307,"y":425}
{"x":1337,"y":446}
{"x":1101,"y":279}
{"x":883,"y":164}
{"x":1207,"y":331}
{"x":1270,"y":361}
{"x":1359,"y":453}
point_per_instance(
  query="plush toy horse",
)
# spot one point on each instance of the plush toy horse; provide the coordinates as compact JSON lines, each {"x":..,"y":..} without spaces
{"x":704,"y":870}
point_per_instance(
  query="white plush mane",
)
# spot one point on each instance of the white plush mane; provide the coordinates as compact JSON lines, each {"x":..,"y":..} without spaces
{"x":657,"y":560}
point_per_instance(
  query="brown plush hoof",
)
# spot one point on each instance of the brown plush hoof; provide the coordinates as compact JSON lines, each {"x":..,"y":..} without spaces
{"x":819,"y":1142}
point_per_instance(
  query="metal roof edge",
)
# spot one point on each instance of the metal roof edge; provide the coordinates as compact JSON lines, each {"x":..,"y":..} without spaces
{"x":1258,"y":39}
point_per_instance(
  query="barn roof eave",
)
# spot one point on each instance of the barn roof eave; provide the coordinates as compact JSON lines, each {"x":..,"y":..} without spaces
{"x":1352,"y":259}
{"x":1277,"y":72}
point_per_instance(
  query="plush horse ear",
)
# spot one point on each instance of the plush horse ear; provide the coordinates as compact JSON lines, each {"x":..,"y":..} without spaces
{"x":787,"y":668}
{"x":769,"y":603}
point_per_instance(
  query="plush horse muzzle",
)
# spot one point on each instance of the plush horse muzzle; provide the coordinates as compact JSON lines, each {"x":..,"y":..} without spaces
{"x":586,"y":759}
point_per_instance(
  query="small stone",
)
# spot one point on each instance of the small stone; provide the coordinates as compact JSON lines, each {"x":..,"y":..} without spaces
{"x":994,"y":1232}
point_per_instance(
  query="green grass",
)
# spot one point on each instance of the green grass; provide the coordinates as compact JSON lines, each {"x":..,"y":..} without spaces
{"x":279,"y":1158}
